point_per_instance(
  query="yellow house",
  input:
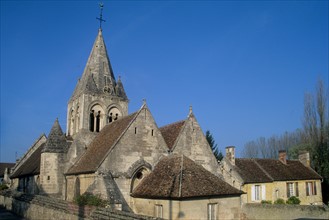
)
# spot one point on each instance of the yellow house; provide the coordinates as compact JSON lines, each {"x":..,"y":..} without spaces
{"x":272,"y":179}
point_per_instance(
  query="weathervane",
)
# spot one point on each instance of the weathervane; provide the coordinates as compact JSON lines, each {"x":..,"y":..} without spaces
{"x":101,"y":5}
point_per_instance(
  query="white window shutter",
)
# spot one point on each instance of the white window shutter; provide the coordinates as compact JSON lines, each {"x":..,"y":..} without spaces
{"x":263,"y":192}
{"x":253,"y":193}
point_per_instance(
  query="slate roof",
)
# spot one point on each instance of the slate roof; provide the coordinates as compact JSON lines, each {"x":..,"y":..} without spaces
{"x":170,"y":132}
{"x":31,"y":166}
{"x":166,"y":181}
{"x":100,"y":146}
{"x":3,"y":167}
{"x":269,"y":170}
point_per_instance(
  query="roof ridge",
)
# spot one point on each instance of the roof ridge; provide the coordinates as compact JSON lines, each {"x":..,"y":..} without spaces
{"x":266,"y":173}
{"x":173,"y":123}
{"x":18,"y":163}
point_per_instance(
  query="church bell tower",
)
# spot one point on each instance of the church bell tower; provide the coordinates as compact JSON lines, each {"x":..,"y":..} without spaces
{"x":98,"y":99}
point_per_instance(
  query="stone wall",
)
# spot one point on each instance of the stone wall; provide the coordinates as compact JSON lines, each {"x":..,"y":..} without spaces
{"x":42,"y":207}
{"x":51,"y":174}
{"x":78,"y":185}
{"x":267,"y":211}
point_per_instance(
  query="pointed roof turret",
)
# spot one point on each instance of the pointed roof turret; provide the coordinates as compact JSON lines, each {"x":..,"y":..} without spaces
{"x":98,"y":77}
{"x":120,"y":90}
{"x":56,"y":142}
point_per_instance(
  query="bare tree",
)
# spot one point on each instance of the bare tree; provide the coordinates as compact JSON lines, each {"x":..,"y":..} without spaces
{"x":250,"y":150}
{"x":316,"y":129}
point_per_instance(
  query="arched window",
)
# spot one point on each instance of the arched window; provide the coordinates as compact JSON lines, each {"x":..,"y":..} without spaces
{"x":76,"y":191}
{"x":98,"y":121}
{"x":71,"y":122}
{"x":113,"y":115}
{"x":96,"y":118}
{"x":77,"y":120}
{"x":91,"y":121}
{"x":138,"y":177}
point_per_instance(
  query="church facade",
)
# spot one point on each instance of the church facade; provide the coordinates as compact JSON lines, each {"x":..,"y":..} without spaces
{"x":125,"y":158}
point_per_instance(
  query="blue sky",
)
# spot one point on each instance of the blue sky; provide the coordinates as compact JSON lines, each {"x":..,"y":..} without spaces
{"x":244,"y":66}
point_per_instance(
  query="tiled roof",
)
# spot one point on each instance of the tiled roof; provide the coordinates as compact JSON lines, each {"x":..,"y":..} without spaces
{"x":293,"y":170}
{"x":268,"y":170}
{"x":98,"y":148}
{"x":166,"y":181}
{"x":250,"y":172}
{"x":3,"y":167}
{"x":170,"y":132}
{"x":31,"y":166}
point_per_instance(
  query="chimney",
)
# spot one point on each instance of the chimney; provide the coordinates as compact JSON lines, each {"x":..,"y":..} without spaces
{"x":230,"y":154}
{"x":283,"y":156}
{"x":304,"y":158}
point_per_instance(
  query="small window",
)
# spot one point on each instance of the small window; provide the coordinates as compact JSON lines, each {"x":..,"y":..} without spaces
{"x":212,"y":211}
{"x":258,"y":193}
{"x":292,"y":189}
{"x":135,"y":130}
{"x":310,"y":188}
{"x":48,"y":177}
{"x":158,"y":211}
{"x":152,"y":132}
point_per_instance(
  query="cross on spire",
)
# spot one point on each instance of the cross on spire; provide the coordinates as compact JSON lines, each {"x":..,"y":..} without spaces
{"x":101,"y":5}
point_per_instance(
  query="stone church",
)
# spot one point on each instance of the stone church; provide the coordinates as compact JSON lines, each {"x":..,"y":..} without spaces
{"x":123,"y":157}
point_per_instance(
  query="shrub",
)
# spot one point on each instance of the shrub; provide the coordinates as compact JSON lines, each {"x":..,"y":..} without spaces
{"x":279,"y":201}
{"x":293,"y":200}
{"x":90,"y":199}
{"x":3,"y":186}
{"x":266,"y":202}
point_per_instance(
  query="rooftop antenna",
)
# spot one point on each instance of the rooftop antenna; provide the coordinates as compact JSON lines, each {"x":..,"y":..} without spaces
{"x":101,"y":5}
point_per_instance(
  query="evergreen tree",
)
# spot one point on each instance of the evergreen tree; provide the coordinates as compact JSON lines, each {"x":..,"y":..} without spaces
{"x":213,"y":146}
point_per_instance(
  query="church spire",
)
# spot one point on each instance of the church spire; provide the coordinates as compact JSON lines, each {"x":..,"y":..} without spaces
{"x":98,"y":77}
{"x":97,"y":96}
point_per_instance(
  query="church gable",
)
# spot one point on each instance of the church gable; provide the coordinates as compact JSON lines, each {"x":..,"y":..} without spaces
{"x":192,"y":143}
{"x":29,"y":164}
{"x":100,"y":146}
{"x":141,"y":141}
